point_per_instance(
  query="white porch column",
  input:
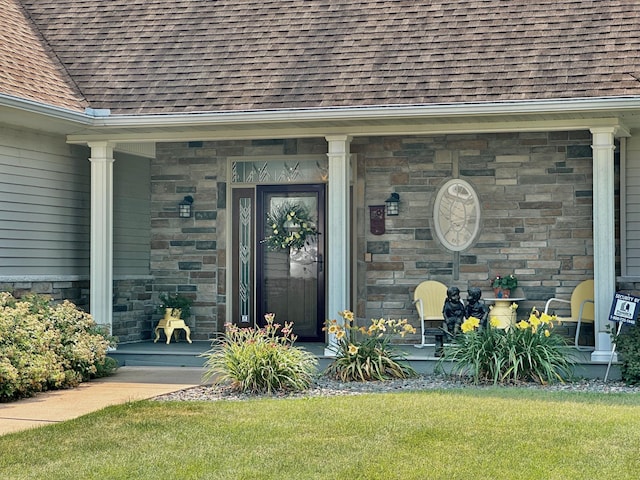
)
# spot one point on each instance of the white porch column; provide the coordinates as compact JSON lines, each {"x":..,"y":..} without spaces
{"x":603,"y":237}
{"x":338,"y":229}
{"x":101,"y":275}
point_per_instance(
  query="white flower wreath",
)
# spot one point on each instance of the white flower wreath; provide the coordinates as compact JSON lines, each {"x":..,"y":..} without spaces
{"x":290,"y":226}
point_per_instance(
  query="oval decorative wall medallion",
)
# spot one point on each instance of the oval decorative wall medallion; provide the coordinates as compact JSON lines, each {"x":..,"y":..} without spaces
{"x":456,"y":215}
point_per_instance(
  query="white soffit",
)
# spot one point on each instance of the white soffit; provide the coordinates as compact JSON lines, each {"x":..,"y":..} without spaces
{"x":146,"y":150}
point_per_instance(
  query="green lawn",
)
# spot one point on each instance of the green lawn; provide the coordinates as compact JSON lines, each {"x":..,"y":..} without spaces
{"x":456,"y":434}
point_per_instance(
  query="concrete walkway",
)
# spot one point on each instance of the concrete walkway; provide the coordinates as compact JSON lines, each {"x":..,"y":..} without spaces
{"x":128,"y":384}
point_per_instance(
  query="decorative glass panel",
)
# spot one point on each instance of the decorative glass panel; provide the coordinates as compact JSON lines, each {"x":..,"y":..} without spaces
{"x":456,"y":214}
{"x":291,"y":276}
{"x":280,"y":171}
{"x":244,"y":263}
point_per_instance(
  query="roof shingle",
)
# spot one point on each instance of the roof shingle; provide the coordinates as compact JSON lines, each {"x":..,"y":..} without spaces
{"x":177,"y":56}
{"x":27,"y":68}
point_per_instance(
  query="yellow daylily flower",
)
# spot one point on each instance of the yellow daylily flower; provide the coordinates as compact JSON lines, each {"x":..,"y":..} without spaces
{"x":470,"y":324}
{"x":347,"y":315}
{"x":534,"y":321}
{"x":409,"y":328}
{"x":546,"y":318}
{"x":353,"y":349}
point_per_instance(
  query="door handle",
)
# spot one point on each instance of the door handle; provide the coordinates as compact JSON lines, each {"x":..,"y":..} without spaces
{"x":320,"y":262}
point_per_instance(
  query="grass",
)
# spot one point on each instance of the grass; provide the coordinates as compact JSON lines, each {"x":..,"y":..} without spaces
{"x":457,"y":434}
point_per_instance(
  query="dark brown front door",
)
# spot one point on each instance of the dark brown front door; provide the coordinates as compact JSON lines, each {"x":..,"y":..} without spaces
{"x":290,"y":281}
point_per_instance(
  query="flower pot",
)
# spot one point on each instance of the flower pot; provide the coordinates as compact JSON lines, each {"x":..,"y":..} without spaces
{"x":500,"y":292}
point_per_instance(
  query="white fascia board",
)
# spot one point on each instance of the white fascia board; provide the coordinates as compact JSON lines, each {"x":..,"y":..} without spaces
{"x":586,"y":105}
{"x":102,"y":119}
{"x":39,"y":108}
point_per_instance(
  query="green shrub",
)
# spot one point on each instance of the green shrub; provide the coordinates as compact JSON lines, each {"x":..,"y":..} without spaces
{"x":106,"y":367}
{"x":45,"y":346}
{"x":260,"y":360}
{"x":628,"y":345}
{"x":364,"y":354}
{"x":176,"y":301}
{"x":527,"y":351}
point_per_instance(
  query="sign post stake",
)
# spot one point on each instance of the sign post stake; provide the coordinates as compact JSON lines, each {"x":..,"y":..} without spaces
{"x":613,"y":350}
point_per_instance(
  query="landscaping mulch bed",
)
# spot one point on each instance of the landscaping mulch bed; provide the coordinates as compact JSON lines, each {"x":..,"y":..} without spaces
{"x":325,"y":387}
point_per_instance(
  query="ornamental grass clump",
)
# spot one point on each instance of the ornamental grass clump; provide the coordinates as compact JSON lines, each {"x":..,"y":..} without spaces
{"x":528,"y":351}
{"x":260,"y":360}
{"x":364,"y":354}
{"x":45,"y":346}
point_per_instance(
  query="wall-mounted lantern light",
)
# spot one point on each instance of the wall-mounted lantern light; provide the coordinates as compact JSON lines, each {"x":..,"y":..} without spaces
{"x":185,"y":207}
{"x":391,"y":204}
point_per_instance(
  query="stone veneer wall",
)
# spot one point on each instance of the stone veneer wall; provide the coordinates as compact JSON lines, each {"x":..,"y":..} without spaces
{"x":133,"y":309}
{"x":187,"y":255}
{"x":535,"y":193}
{"x":76,"y":291}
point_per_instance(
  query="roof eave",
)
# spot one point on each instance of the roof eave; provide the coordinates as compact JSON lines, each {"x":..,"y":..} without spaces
{"x":32,"y":106}
{"x":580,"y":105}
{"x":97,"y":123}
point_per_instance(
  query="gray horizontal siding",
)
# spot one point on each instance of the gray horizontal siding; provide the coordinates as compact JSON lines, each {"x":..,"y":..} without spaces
{"x":44,"y":205}
{"x":131,"y":217}
{"x":632,"y":205}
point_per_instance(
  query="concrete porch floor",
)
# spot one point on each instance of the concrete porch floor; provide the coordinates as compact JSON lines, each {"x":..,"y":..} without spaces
{"x":423,"y":360}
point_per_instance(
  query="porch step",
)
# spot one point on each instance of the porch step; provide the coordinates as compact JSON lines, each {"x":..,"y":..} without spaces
{"x":181,"y":354}
{"x":422,"y":360}
{"x":149,"y":354}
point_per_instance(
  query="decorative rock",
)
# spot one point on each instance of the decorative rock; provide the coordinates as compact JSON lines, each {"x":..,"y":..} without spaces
{"x":325,"y":387}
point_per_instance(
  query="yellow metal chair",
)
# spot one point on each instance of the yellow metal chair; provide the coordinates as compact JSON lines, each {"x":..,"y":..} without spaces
{"x":581,"y":305}
{"x":429,"y":298}
{"x":170,"y":323}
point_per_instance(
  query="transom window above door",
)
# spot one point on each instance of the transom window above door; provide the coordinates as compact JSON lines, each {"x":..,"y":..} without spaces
{"x":280,"y":169}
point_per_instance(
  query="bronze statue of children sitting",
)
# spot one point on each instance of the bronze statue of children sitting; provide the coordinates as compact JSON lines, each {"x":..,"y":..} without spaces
{"x":453,"y":311}
{"x":476,"y":307}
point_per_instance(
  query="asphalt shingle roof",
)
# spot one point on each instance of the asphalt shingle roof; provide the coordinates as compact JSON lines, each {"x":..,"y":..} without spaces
{"x":28,"y":69}
{"x":177,"y":56}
